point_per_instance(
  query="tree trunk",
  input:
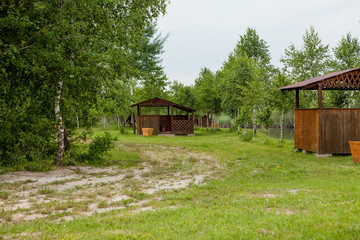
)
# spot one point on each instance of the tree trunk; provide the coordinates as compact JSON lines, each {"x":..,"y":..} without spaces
{"x":125,"y":120}
{"x":207,"y":121}
{"x":238,"y":126}
{"x":117,"y":120}
{"x":214,"y":121}
{"x":281,"y":126}
{"x":77,"y":123}
{"x":60,"y":124}
{"x":132,"y":102}
{"x":104,"y":122}
{"x":254,"y":122}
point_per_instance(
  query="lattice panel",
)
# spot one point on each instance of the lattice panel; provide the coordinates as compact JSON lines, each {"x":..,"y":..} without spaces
{"x":155,"y":102}
{"x":350,"y":80}
{"x":183,"y":127}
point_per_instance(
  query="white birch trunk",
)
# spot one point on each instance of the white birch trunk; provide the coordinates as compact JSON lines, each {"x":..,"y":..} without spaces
{"x":132,"y":102}
{"x":238,"y":126}
{"x":281,"y":126}
{"x":117,"y":120}
{"x":77,"y":123}
{"x":104,"y":122}
{"x":254,"y":123}
{"x":60,"y":125}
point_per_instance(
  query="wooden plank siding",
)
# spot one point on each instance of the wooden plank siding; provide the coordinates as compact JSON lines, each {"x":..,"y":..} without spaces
{"x":337,"y":128}
{"x":307,"y":129}
{"x":326,"y":131}
{"x":148,"y":121}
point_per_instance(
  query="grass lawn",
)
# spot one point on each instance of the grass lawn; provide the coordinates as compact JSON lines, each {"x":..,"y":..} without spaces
{"x":263,"y":191}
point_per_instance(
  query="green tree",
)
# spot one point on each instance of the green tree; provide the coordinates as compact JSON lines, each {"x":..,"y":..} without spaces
{"x":312,"y":60}
{"x":347,"y":53}
{"x":347,"y":56}
{"x":282,"y":101}
{"x":254,"y":47}
{"x":265,"y":119}
{"x":183,"y":95}
{"x":148,"y":63}
{"x":52,"y":50}
{"x":252,"y":90}
{"x":207,"y":92}
{"x":237,"y":73}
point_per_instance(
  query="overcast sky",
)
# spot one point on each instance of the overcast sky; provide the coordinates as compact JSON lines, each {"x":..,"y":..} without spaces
{"x":202,"y":33}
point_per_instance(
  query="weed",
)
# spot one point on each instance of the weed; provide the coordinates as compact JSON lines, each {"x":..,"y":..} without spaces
{"x":46,"y":191}
{"x":4,"y":194}
{"x":103,"y":204}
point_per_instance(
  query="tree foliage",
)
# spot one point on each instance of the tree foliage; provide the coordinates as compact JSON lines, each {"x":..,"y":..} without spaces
{"x":60,"y":50}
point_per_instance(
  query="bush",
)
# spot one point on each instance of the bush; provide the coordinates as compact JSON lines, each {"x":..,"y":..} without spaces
{"x":122,"y":129}
{"x":98,"y":148}
{"x":40,"y":165}
{"x":248,"y":137}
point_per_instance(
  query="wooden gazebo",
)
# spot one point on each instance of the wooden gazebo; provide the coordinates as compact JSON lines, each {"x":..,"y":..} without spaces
{"x":169,"y":124}
{"x":327,"y":130}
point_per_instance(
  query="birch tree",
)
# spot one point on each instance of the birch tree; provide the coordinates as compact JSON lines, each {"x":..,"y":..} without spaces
{"x":282,"y":101}
{"x":58,"y":45}
{"x":311,"y":60}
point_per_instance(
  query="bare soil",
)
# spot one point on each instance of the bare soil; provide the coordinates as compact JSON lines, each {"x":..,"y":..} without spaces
{"x":68,"y":192}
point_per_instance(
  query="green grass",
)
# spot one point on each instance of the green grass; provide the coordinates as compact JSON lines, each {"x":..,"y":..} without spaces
{"x":268,"y":193}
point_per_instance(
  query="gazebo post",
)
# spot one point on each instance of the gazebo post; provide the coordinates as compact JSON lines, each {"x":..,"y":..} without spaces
{"x":172,"y":119}
{"x":139,"y":119}
{"x":320,"y":96}
{"x":297,"y":103}
{"x":133,"y":120}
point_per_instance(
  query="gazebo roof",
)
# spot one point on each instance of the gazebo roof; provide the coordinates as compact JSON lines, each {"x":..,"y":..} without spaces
{"x":158,"y":102}
{"x":341,"y":80}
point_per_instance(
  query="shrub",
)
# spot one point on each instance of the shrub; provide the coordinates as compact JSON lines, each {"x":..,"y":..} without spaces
{"x":122,"y":129}
{"x":248,"y":136}
{"x":99,"y":147}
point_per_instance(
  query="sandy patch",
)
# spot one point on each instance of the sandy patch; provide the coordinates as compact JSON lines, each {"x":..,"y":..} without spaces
{"x":69,"y":192}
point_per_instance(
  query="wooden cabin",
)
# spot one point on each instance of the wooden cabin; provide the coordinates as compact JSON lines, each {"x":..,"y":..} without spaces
{"x":327,"y":130}
{"x":168,"y":123}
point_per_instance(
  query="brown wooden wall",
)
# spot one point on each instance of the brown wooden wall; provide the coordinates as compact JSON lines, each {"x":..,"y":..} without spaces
{"x":307,"y":129}
{"x":326,"y":131}
{"x":336,"y":128}
{"x":147,"y":121}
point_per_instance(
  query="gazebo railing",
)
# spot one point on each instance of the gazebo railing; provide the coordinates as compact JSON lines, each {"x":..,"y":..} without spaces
{"x":183,"y":127}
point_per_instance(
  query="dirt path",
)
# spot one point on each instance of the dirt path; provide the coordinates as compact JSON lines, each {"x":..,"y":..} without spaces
{"x":68,"y":192}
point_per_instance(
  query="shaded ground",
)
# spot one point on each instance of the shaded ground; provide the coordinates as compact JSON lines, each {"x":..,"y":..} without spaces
{"x":68,"y":192}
